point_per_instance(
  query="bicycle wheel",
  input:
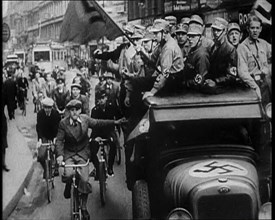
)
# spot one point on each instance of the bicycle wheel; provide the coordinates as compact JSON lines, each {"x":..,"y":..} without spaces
{"x":102,"y":182}
{"x":118,"y":155}
{"x":48,"y":180}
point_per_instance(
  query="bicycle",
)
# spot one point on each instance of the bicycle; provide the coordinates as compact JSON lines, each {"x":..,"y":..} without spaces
{"x":49,"y":168}
{"x":103,"y":166}
{"x":75,"y":202}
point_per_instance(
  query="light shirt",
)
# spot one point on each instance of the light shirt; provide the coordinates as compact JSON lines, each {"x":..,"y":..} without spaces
{"x":248,"y":67}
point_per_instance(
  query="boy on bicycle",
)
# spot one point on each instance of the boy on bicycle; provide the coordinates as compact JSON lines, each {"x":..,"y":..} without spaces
{"x":104,"y":110}
{"x":47,"y":126}
{"x":72,"y":144}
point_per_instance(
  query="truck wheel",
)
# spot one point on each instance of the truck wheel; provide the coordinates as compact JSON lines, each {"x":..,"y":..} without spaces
{"x":140,"y":200}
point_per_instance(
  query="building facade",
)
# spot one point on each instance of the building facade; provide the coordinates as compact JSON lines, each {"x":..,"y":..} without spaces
{"x":40,"y":21}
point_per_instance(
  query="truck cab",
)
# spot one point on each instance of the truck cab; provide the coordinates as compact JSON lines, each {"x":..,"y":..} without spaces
{"x":199,"y":157}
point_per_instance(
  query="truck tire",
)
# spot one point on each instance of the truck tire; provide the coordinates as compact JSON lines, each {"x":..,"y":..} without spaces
{"x":140,"y":200}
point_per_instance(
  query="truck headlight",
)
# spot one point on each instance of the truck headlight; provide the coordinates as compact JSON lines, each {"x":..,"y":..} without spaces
{"x":178,"y":214}
{"x":268,"y":110}
{"x":265,"y":211}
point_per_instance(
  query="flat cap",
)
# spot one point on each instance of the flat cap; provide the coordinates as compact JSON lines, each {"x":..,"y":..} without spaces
{"x":181,"y":28}
{"x":219,"y":23}
{"x":194,"y":29}
{"x":77,"y":85}
{"x":233,"y":26}
{"x":47,"y":102}
{"x":196,"y":19}
{"x":74,"y":103}
{"x":185,"y":20}
{"x":160,"y":25}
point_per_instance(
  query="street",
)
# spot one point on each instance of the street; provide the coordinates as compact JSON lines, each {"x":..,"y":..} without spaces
{"x":34,"y":204}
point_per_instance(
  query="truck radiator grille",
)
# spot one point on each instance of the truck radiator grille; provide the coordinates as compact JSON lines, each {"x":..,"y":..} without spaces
{"x":225,"y":207}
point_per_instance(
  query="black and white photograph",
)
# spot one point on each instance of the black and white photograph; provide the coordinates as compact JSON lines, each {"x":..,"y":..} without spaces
{"x":136,"y":109}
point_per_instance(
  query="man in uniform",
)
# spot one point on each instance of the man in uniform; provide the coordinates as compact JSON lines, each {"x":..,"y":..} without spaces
{"x":254,"y":55}
{"x":223,"y":57}
{"x":105,"y":110}
{"x":234,"y":34}
{"x":72,"y":145}
{"x":206,"y":42}
{"x":197,"y":63}
{"x":181,"y":34}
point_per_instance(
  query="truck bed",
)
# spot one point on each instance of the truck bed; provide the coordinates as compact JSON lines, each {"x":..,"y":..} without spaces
{"x":234,"y":103}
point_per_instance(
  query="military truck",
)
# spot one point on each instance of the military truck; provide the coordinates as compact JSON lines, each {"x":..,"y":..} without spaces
{"x":199,"y":156}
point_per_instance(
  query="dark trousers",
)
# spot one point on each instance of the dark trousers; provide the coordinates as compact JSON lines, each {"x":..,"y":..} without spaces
{"x":11,"y":108}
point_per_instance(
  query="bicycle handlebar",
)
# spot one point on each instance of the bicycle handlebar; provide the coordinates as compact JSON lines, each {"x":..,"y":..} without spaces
{"x":47,"y":144}
{"x":75,"y":165}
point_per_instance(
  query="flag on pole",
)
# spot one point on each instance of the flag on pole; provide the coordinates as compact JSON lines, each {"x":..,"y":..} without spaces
{"x":141,"y":128}
{"x":85,"y":20}
{"x":262,"y":9}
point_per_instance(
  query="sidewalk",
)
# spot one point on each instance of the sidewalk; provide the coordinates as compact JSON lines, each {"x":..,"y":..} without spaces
{"x":20,"y":162}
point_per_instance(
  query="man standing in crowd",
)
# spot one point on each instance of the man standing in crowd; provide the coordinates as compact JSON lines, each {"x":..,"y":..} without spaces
{"x":206,"y":42}
{"x":254,"y":55}
{"x":223,"y":57}
{"x":181,"y":34}
{"x":197,"y":63}
{"x":60,"y":95}
{"x":234,"y":34}
{"x":10,"y":90}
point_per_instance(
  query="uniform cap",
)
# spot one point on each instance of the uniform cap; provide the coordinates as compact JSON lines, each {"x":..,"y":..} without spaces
{"x":108,"y":75}
{"x":185,"y":20}
{"x":194,"y":29}
{"x":160,"y":25}
{"x":196,"y":19}
{"x":47,"y":102}
{"x":148,"y":36}
{"x":61,"y":69}
{"x":137,"y":36}
{"x":128,"y":28}
{"x":181,"y":28}
{"x":219,"y":23}
{"x":101,"y":94}
{"x":60,"y":80}
{"x":233,"y":26}
{"x":141,"y":27}
{"x":77,"y":85}
{"x":74,"y":103}
{"x":171,"y":19}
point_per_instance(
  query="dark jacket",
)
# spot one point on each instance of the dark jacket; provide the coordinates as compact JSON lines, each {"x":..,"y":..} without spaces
{"x":111,"y":112}
{"x":11,"y":92}
{"x":68,"y":143}
{"x":47,"y":126}
{"x":222,"y":57}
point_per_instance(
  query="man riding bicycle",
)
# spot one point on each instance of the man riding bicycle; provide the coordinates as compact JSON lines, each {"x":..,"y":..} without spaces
{"x":73,"y":147}
{"x":104,"y":110}
{"x":46,"y":127}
